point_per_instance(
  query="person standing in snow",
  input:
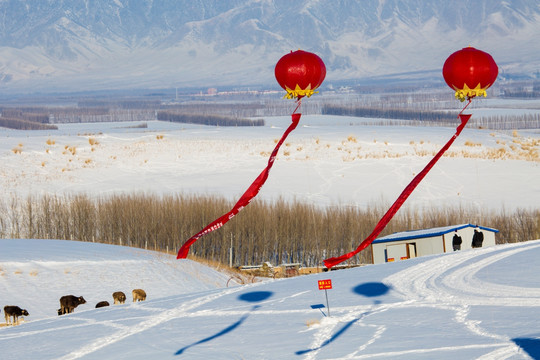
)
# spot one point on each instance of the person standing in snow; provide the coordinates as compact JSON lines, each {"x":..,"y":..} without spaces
{"x":456,"y":241}
{"x":478,"y":238}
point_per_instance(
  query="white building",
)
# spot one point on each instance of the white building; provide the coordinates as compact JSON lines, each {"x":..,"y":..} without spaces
{"x":410,"y":244}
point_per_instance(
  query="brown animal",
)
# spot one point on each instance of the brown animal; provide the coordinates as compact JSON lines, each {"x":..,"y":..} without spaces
{"x":102,"y":304}
{"x":68,"y":303}
{"x":138,"y":295}
{"x":119,"y":297}
{"x":13,"y":312}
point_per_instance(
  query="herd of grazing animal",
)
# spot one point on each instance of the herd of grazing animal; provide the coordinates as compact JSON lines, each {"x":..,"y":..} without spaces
{"x":68,"y":303}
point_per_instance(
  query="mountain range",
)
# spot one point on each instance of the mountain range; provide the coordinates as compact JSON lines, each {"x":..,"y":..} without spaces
{"x":61,"y":45}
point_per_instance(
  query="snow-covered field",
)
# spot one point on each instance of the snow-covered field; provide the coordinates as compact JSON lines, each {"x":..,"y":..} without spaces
{"x":327,"y":160}
{"x":474,"y":304}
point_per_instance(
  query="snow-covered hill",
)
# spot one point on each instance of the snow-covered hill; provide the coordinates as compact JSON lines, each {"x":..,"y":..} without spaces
{"x":473,"y":304}
{"x":51,"y":45}
{"x":39,"y":272}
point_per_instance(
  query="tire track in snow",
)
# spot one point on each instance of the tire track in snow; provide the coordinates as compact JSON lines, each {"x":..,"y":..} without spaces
{"x":505,"y":352}
{"x":478,"y":292}
{"x":153,"y":321}
{"x":451,"y":283}
{"x":414,"y":282}
{"x":450,"y":280}
{"x":83,"y":323}
{"x":329,"y":327}
{"x":402,"y":353}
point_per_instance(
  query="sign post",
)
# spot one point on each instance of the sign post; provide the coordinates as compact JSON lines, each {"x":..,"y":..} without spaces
{"x":325,"y":285}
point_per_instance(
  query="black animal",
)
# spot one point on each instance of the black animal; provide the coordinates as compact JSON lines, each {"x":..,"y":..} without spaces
{"x":119,"y":297}
{"x":68,"y":303}
{"x":13,"y":312}
{"x":102,"y":304}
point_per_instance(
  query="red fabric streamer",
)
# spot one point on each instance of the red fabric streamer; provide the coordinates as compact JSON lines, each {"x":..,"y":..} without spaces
{"x":329,"y":263}
{"x":246,"y":198}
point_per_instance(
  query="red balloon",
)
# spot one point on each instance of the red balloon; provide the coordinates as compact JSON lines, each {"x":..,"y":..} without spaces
{"x":300,"y":73}
{"x":470,"y":72}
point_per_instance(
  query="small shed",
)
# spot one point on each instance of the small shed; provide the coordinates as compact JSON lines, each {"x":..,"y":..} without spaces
{"x":410,"y":244}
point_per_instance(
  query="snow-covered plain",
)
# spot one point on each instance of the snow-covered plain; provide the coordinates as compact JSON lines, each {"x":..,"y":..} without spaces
{"x":473,"y":304}
{"x":327,"y":160}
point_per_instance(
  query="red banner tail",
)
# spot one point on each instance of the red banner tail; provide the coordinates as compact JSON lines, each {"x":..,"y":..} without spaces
{"x":329,"y":263}
{"x":246,"y":198}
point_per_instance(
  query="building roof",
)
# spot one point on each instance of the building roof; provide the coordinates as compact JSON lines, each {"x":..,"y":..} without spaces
{"x":424,"y":233}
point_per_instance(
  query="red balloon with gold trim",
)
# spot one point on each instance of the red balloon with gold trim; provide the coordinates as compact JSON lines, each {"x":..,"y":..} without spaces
{"x":300,"y":73}
{"x":470,"y":72}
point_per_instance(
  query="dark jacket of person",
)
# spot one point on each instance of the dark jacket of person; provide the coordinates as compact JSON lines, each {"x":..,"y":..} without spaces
{"x":478,"y":239}
{"x":456,"y":242}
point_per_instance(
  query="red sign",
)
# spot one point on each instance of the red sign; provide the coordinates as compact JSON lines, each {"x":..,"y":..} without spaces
{"x":325,"y":284}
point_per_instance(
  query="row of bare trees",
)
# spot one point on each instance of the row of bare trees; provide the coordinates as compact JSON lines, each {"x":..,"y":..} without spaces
{"x":29,"y":115}
{"x":508,"y":122}
{"x":390,"y":113}
{"x":415,"y":117}
{"x":39,"y":118}
{"x":101,"y":115}
{"x":278,"y":232}
{"x":21,"y":124}
{"x":216,"y":120}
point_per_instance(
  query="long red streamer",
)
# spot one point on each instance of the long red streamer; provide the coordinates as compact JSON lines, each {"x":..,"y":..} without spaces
{"x":246,"y":198}
{"x":329,"y":263}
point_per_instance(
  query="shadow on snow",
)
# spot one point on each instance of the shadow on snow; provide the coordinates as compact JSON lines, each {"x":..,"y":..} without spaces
{"x":371,"y":289}
{"x":530,"y":345}
{"x":254,"y":296}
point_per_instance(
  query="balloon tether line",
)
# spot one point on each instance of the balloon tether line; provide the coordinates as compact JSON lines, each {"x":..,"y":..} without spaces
{"x":249,"y":194}
{"x":469,"y":100}
{"x":299,"y":102}
{"x":329,"y":263}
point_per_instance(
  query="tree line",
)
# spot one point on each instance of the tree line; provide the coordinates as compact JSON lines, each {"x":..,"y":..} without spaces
{"x":30,"y":114}
{"x":202,"y":119}
{"x":508,"y":122}
{"x":29,"y":119}
{"x":21,"y":124}
{"x":38,"y":118}
{"x":92,"y":115}
{"x":389,"y":113}
{"x":277,"y":231}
